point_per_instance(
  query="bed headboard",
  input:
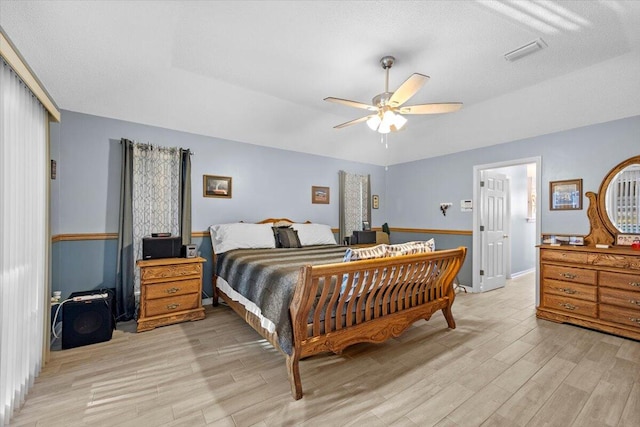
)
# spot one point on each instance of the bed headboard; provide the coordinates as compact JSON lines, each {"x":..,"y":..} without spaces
{"x":280,"y":221}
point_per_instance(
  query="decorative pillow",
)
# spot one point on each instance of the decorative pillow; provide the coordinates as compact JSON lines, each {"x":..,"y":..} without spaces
{"x":314,"y":234}
{"x":240,"y":235}
{"x":286,"y":237}
{"x":411,"y":248}
{"x":354,"y":254}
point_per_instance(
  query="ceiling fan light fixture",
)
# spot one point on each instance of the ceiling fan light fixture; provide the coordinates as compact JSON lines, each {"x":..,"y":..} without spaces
{"x":385,"y":127}
{"x":374,"y":122}
{"x":399,"y":121}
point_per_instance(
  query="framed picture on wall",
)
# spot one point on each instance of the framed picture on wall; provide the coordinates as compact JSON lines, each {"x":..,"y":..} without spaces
{"x":216,"y":186}
{"x":565,"y":195}
{"x":320,"y":195}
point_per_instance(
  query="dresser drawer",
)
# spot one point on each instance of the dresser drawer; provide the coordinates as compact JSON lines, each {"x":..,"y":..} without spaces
{"x":161,"y":306}
{"x":573,"y":290}
{"x":564,"y":256}
{"x":630,"y":282}
{"x":612,"y":296}
{"x":615,"y":314}
{"x":569,"y":274}
{"x":570,"y":305}
{"x":165,"y":289}
{"x":170,"y":271}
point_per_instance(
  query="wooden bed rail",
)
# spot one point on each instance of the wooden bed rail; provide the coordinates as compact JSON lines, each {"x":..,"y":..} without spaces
{"x":337,"y":305}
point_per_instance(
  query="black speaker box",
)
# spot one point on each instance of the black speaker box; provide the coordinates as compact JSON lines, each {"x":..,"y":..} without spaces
{"x":161,"y":247}
{"x":360,"y":237}
{"x":89,"y":321}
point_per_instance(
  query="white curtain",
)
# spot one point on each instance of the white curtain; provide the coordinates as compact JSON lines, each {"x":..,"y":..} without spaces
{"x":354,"y":202}
{"x":156,"y":195}
{"x":23,"y":234}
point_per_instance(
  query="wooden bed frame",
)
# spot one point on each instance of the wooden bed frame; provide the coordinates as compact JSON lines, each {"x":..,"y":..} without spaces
{"x":382,"y":298}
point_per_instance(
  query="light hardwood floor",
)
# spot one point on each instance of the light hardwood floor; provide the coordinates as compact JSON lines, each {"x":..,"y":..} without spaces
{"x":500,"y":367}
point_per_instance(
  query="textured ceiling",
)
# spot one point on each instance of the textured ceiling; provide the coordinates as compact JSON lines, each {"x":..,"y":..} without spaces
{"x":257,"y":72}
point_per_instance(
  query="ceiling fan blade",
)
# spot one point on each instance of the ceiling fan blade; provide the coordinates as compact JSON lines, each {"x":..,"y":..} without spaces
{"x":353,"y":122}
{"x":408,"y":89}
{"x":350,"y":103}
{"x":448,"y":107}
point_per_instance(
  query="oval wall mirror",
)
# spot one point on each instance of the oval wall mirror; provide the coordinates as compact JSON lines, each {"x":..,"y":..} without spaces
{"x":619,"y":198}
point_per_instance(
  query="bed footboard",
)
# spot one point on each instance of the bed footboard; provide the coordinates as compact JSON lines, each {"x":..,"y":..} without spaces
{"x":337,"y":305}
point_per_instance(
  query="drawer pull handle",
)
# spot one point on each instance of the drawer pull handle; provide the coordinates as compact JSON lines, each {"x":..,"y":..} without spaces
{"x":633,"y":319}
{"x":636,"y":284}
{"x":172,"y":306}
{"x":172,"y":290}
{"x":568,"y":291}
{"x":569,"y":275}
{"x":568,"y":306}
{"x":632,"y":301}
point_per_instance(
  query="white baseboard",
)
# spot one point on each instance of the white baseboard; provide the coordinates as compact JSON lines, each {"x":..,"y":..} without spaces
{"x":207,"y":301}
{"x":522,"y":273}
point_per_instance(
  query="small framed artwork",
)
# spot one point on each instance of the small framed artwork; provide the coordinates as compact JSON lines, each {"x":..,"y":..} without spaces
{"x":565,"y":195}
{"x":216,"y":186}
{"x":627,"y":239}
{"x":320,"y":195}
{"x":366,"y":226}
{"x":375,"y":201}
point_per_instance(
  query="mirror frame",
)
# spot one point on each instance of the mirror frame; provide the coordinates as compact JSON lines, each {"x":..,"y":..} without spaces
{"x":603,"y":191}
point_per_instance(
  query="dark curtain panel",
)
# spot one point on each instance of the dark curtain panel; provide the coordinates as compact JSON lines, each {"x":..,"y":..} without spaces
{"x":125,"y":298}
{"x":342,"y":176}
{"x":369,"y":199}
{"x":185,"y":189}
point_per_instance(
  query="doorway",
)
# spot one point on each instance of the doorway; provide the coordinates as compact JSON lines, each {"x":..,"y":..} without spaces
{"x":480,"y":238}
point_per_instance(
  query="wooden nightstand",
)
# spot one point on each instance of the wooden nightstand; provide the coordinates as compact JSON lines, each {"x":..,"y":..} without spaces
{"x":170,"y":291}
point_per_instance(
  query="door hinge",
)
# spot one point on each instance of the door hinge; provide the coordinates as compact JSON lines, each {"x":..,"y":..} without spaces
{"x":482,"y":228}
{"x":481,"y":183}
{"x":482,"y":272}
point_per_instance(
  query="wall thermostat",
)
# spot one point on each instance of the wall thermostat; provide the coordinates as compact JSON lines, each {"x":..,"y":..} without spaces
{"x":189,"y":251}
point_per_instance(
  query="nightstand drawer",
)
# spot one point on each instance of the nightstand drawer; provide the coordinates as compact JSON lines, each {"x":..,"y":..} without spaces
{"x":161,"y":306}
{"x":165,"y":289}
{"x":571,"y":305}
{"x":170,"y":271}
{"x":569,"y":274}
{"x":629,"y":282}
{"x":620,"y":315}
{"x":573,"y":290}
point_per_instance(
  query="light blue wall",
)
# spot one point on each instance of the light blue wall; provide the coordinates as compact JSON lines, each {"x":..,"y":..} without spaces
{"x":269,"y":183}
{"x":416,"y":189}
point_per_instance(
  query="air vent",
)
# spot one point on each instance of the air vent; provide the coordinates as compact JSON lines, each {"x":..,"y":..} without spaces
{"x":525,"y":50}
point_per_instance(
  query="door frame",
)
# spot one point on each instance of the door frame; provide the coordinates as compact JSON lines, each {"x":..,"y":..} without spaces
{"x":476,"y":246}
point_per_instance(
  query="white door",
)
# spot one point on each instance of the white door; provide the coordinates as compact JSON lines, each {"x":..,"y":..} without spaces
{"x":494,"y":229}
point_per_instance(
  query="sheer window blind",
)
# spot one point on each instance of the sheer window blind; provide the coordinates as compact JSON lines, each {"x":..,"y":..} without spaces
{"x":23,"y":241}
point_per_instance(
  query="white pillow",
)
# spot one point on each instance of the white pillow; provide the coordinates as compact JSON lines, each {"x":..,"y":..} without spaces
{"x":225,"y":237}
{"x":314,"y":234}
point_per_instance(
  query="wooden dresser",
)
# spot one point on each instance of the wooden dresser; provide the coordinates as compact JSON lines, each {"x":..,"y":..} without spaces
{"x":595,"y":288}
{"x":170,"y":291}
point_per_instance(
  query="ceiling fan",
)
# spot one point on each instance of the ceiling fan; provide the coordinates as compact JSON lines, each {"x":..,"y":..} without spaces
{"x":387,"y":107}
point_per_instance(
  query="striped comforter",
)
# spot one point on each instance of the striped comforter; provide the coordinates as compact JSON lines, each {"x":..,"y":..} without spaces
{"x":268,"y":277}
